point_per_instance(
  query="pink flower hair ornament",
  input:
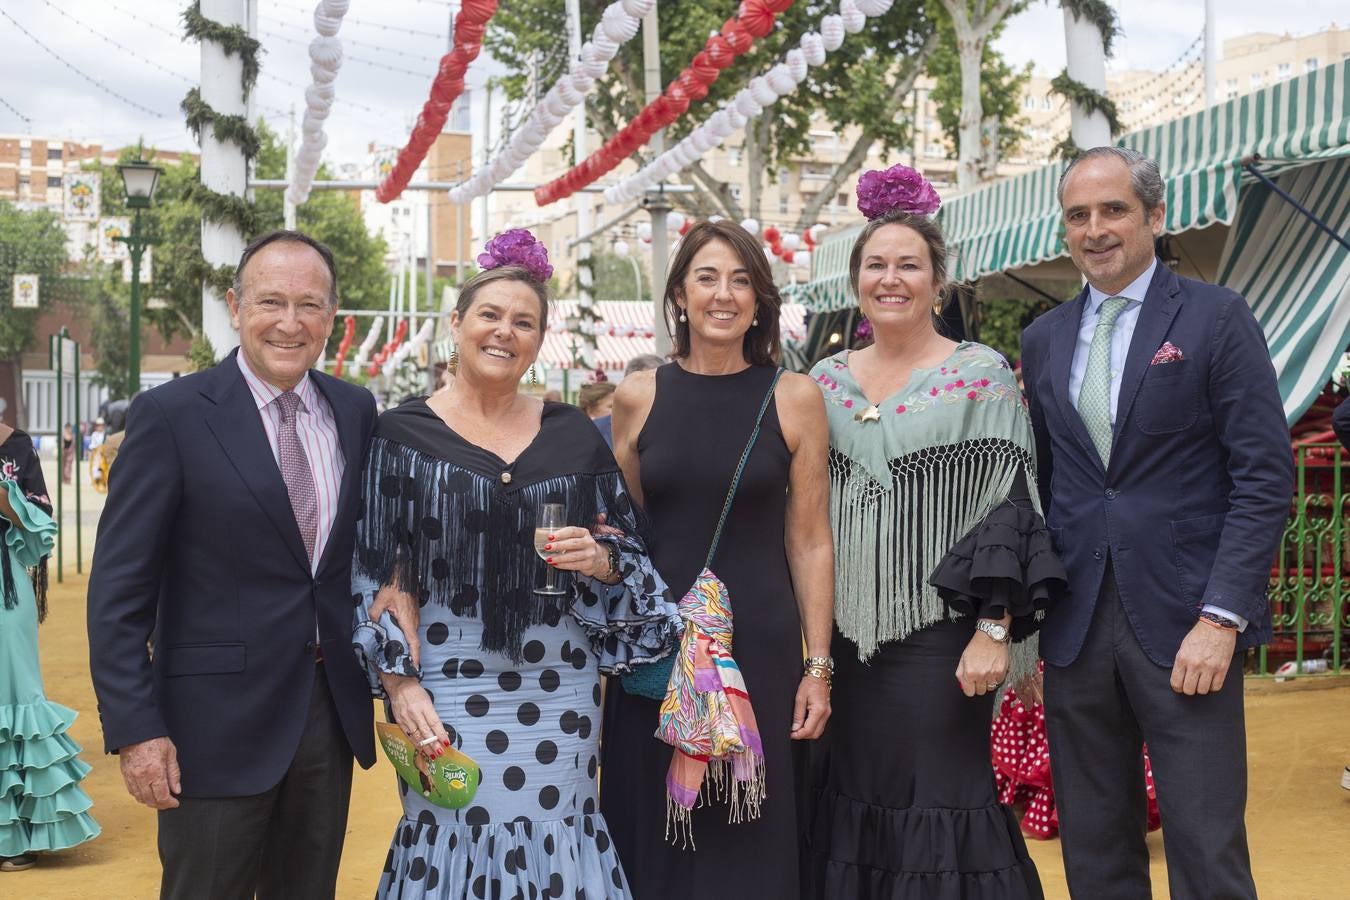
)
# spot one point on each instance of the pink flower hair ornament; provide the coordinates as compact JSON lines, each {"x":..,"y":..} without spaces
{"x":517,"y":247}
{"x":897,"y":189}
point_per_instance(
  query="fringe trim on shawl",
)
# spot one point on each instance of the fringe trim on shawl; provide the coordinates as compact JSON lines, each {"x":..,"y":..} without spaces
{"x":450,"y":536}
{"x":725,"y":781}
{"x":890,"y":538}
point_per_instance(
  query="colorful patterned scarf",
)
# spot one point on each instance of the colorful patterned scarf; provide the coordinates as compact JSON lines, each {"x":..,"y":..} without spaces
{"x":706,"y":716}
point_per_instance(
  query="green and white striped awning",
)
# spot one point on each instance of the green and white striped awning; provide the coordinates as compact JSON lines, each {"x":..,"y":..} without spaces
{"x":828,"y":288}
{"x":1016,"y":222}
{"x":1295,"y":276}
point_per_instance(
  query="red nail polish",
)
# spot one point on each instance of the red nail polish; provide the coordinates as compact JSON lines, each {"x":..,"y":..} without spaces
{"x":552,"y":537}
{"x":548,"y":546}
{"x":549,"y":560}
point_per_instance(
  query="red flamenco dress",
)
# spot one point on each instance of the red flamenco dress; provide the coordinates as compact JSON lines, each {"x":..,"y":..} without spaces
{"x":1021,"y":758}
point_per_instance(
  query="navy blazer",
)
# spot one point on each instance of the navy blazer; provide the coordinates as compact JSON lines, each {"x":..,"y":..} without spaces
{"x":198,"y":551}
{"x":1340,"y":420}
{"x":1194,"y":502}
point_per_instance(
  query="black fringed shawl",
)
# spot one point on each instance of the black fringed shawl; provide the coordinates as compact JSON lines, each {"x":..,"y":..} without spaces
{"x":19,"y":463}
{"x":453,"y":524}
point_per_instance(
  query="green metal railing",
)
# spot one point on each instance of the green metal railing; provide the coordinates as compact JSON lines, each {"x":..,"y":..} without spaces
{"x":1310,"y":579}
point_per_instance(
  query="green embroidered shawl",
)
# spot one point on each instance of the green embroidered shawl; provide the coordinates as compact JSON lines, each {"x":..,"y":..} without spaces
{"x":910,"y":480}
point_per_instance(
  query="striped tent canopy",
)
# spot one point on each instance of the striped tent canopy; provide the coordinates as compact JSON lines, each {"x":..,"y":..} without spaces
{"x":828,"y":288}
{"x":1016,"y":222}
{"x":1296,"y":277}
{"x":624,"y":330}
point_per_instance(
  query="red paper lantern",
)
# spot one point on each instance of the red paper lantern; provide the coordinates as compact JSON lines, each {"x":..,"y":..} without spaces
{"x":736,"y":36}
{"x":719,"y":51}
{"x":684,"y":229}
{"x":772,"y":235}
{"x":756,"y":18}
{"x":777,"y":6}
{"x":787,"y":256}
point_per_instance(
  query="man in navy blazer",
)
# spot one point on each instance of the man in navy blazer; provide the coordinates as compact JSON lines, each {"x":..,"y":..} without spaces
{"x":226,"y":542}
{"x":1166,"y":473}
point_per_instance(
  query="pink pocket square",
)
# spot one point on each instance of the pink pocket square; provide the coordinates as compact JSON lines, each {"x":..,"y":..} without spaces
{"x":1167,"y":353}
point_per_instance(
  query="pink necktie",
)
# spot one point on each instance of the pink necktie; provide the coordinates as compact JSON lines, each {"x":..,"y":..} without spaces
{"x":295,"y":471}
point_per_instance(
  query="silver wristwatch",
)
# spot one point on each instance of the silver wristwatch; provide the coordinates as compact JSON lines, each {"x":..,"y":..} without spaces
{"x":996,"y":630}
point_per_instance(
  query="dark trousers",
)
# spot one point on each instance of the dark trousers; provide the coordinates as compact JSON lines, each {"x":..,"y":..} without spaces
{"x":284,"y":844}
{"x":1099,"y":711}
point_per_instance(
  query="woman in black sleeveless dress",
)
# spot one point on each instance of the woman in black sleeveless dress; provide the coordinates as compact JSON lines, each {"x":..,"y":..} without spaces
{"x":679,"y":433}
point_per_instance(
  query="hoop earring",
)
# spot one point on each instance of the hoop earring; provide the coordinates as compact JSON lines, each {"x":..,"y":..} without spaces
{"x":453,"y":363}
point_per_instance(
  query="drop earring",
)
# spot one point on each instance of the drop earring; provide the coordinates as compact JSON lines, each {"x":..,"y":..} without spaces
{"x":534,"y":377}
{"x":453,"y":364}
{"x":683,"y":317}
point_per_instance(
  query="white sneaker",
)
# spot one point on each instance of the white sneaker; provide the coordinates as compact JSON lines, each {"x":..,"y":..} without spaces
{"x":1345,"y":778}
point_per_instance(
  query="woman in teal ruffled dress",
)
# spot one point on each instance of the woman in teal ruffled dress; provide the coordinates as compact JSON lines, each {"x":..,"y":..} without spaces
{"x":41,"y":805}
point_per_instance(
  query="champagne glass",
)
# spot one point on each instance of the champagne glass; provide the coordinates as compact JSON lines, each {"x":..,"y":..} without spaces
{"x":548,"y":520}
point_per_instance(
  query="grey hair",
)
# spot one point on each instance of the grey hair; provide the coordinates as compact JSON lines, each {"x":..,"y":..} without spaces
{"x":1144,"y":176}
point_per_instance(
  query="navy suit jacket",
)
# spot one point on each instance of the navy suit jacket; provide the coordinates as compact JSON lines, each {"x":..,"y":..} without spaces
{"x":1340,"y":420}
{"x":1194,"y":502}
{"x":198,"y":551}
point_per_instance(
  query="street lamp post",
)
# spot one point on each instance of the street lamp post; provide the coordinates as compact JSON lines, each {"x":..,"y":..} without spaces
{"x":139,"y":178}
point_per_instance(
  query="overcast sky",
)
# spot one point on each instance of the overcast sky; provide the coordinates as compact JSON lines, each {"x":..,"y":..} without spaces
{"x":154,"y":66}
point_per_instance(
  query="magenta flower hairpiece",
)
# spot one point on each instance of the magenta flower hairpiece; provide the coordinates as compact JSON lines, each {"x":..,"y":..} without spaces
{"x":897,"y":189}
{"x":517,"y":247}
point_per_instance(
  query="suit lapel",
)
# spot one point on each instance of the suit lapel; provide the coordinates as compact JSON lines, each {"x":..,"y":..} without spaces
{"x":1155,"y":317}
{"x":1064,"y":342}
{"x":348,"y":419}
{"x":236,"y":423}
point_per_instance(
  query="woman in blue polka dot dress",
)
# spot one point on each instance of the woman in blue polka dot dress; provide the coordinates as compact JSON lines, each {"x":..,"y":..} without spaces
{"x":508,"y":675}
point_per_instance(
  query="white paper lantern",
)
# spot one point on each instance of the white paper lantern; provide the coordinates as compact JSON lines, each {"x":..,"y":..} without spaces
{"x":832,"y":32}
{"x":796,"y":63}
{"x":750,"y":225}
{"x":813,"y":48}
{"x":802,"y":258}
{"x":817,"y":232}
{"x":621,"y":248}
{"x":791,"y":241}
{"x":644,"y":231}
{"x":854,"y":20}
{"x":674,"y":221}
{"x":874,"y":8}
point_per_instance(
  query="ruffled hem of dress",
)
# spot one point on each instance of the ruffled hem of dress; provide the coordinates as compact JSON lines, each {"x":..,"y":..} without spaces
{"x":841,"y":879}
{"x":916,"y":843}
{"x":1007,"y":562}
{"x":572,"y":857}
{"x":28,"y":721}
{"x":18,"y":838}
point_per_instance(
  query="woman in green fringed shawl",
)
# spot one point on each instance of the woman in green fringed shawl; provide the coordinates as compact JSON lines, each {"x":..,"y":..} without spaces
{"x":41,"y":804}
{"x":943,"y":568}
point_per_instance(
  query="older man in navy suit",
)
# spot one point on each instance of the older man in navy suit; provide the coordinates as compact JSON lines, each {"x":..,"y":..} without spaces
{"x":1166,"y":472}
{"x":227,"y":542}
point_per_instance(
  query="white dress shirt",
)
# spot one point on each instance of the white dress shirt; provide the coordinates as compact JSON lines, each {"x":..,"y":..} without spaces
{"x":1121,"y":336}
{"x":317,"y":430}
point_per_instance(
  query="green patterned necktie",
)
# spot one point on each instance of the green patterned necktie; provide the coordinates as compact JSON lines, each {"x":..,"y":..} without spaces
{"x":1094,"y":396}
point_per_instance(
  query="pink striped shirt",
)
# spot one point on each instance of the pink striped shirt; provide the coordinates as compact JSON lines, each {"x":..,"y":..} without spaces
{"x":317,"y":431}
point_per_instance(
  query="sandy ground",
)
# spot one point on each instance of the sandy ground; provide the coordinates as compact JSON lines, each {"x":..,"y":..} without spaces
{"x":1298,"y":816}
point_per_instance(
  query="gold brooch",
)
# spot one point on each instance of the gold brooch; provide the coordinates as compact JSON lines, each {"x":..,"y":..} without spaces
{"x":871,"y":414}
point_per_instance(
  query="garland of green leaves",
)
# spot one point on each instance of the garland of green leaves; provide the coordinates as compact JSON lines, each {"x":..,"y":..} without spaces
{"x":233,"y":39}
{"x":221,"y":209}
{"x":586,"y":311}
{"x":225,"y":128}
{"x":1099,"y":13}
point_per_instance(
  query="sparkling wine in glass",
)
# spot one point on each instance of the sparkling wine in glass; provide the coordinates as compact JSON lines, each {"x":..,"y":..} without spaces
{"x":547,"y":521}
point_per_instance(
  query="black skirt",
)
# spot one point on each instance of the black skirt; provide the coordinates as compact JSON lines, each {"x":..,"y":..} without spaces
{"x":904,"y":805}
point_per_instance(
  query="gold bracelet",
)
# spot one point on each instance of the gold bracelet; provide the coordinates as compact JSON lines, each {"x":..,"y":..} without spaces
{"x":821,"y":672}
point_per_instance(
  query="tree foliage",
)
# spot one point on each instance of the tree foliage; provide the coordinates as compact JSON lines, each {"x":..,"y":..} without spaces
{"x":850,"y":90}
{"x":1000,"y":88}
{"x":30,"y":243}
{"x":174,"y":222}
